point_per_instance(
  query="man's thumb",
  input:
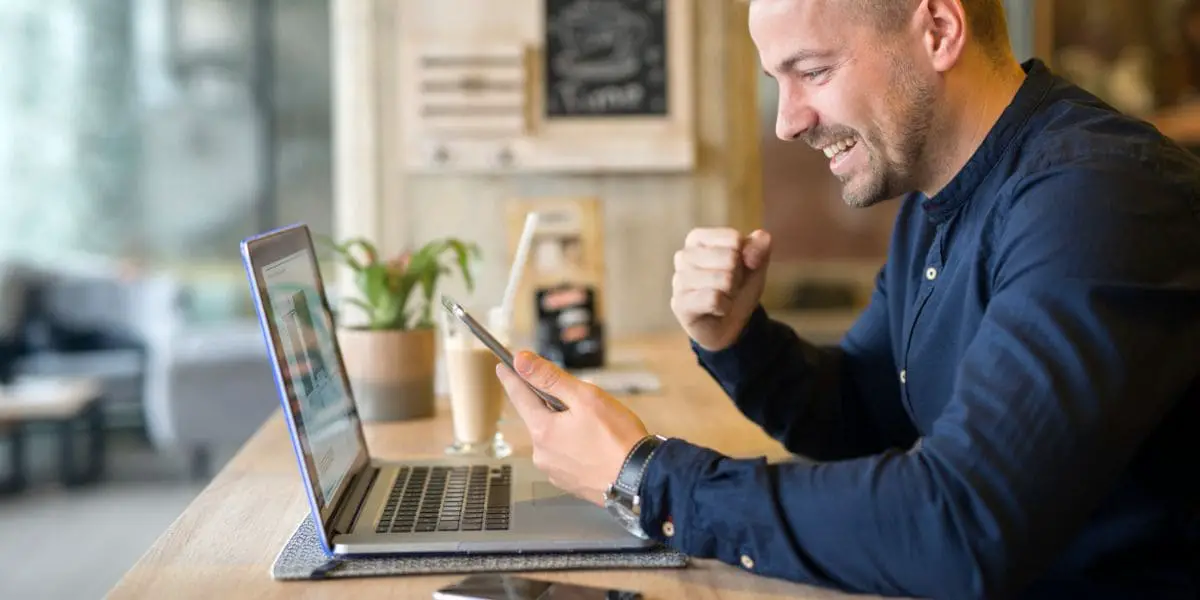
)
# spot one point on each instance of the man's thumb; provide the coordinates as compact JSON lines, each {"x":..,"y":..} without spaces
{"x":756,"y":250}
{"x":546,"y":376}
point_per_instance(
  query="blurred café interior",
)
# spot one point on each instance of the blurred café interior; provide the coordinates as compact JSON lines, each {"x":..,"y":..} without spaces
{"x":142,"y":140}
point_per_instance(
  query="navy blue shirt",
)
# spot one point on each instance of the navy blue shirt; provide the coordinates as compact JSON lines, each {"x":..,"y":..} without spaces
{"x":1017,"y":411}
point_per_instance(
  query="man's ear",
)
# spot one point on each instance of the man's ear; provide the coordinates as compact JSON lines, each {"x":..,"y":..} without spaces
{"x":944,"y":35}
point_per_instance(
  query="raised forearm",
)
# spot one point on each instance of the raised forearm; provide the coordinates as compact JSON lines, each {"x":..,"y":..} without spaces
{"x":803,"y":395}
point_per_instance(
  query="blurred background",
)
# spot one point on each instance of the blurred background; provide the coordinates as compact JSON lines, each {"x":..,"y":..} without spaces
{"x":141,"y":140}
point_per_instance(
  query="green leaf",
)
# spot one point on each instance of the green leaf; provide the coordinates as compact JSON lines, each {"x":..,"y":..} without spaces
{"x":359,"y":303}
{"x":343,"y":251}
{"x":431,"y":269}
{"x":366,"y":308}
{"x":407,"y":282}
{"x":429,"y":287}
{"x":386,"y":294}
{"x":465,"y":252}
{"x":371,"y":251}
{"x":372,"y":282}
{"x":424,"y":270}
{"x":426,"y":258}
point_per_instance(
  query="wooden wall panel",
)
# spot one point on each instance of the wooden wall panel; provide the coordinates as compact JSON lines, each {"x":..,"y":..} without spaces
{"x":646,"y":216}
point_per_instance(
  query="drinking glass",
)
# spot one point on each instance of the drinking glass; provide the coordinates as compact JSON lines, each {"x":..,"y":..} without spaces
{"x":477,"y":398}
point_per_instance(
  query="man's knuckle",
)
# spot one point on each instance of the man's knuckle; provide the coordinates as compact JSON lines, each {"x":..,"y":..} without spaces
{"x":549,"y":377}
{"x":681,"y":307}
{"x":730,"y":259}
{"x":712,"y":236}
{"x":723,"y":237}
{"x":714,"y":300}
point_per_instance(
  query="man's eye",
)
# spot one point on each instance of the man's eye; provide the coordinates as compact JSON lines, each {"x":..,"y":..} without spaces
{"x":814,"y":74}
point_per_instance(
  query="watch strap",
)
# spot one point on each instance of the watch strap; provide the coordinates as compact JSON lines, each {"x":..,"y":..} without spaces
{"x":629,"y":479}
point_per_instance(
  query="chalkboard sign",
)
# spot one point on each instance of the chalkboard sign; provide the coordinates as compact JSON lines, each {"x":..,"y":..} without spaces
{"x":605,"y":58}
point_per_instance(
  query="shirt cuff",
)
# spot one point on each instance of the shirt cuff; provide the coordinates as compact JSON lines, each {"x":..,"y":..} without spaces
{"x":667,"y":513}
{"x":743,"y":356}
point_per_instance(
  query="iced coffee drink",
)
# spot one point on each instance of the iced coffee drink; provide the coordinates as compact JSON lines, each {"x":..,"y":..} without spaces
{"x":476,"y":396}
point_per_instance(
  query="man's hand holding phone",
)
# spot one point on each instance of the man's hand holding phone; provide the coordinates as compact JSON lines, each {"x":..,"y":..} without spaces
{"x":581,"y":435}
{"x":581,"y":449}
{"x":719,"y":281}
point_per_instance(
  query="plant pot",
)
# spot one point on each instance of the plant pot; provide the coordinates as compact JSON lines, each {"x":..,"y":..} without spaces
{"x":391,"y":372}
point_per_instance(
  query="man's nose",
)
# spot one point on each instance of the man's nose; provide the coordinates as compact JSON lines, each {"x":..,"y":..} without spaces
{"x":794,"y":118}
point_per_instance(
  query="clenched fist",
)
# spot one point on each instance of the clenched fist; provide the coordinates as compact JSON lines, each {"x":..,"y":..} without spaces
{"x":719,"y":280}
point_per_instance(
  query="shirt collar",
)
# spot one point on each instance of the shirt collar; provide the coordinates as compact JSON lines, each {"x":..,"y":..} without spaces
{"x":1038,"y":81}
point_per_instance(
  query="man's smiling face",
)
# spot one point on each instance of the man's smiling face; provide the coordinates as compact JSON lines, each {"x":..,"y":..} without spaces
{"x":849,"y":90}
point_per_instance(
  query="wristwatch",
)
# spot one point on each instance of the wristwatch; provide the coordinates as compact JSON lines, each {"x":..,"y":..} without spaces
{"x":622,"y":499}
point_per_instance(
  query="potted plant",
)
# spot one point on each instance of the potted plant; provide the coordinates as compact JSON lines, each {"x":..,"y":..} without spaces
{"x":390,"y":356}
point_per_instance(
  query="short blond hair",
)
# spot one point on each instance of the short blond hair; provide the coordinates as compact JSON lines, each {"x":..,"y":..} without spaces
{"x":986,"y":19}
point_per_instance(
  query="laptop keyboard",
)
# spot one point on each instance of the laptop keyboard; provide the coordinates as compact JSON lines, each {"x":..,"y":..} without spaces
{"x":428,"y":499}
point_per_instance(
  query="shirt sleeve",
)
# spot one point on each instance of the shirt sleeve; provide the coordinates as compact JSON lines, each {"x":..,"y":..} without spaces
{"x":825,"y":403}
{"x":1089,"y":341}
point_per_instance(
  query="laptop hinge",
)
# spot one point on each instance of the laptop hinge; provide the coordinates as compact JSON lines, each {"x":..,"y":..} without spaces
{"x":352,"y":501}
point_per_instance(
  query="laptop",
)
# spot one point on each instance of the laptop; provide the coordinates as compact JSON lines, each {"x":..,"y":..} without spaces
{"x":363,"y":505}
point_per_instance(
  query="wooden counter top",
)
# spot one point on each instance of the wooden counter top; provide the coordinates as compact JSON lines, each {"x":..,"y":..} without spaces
{"x":223,"y":545}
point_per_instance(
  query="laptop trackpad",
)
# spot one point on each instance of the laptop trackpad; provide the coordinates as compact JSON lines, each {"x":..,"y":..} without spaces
{"x":546,"y":495}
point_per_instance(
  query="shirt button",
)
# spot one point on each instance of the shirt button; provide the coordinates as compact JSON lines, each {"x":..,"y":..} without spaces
{"x":904,"y":376}
{"x":747,"y":562}
{"x":931,"y":273}
{"x":669,"y":529}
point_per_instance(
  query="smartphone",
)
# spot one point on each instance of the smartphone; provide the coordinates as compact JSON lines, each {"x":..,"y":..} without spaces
{"x":494,"y":586}
{"x":497,"y":348}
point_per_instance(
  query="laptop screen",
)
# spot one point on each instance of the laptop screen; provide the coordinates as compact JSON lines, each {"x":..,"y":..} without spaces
{"x":326,"y":424}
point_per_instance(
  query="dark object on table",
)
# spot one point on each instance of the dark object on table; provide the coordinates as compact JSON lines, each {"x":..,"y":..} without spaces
{"x":500,"y":586}
{"x":568,"y":331}
{"x":812,"y":295}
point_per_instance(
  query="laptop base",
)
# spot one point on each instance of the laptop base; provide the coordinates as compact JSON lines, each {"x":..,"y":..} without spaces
{"x":536,"y":516}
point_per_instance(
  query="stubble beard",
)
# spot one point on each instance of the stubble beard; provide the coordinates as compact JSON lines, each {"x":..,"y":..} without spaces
{"x":893,"y":162}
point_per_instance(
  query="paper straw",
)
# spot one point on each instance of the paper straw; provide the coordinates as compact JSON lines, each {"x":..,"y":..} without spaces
{"x":518,"y":266}
{"x":448,"y":330}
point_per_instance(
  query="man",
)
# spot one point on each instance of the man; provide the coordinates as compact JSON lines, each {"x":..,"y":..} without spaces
{"x":1012,"y":416}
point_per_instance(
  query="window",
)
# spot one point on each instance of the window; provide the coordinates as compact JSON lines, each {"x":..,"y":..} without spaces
{"x":162,"y":131}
